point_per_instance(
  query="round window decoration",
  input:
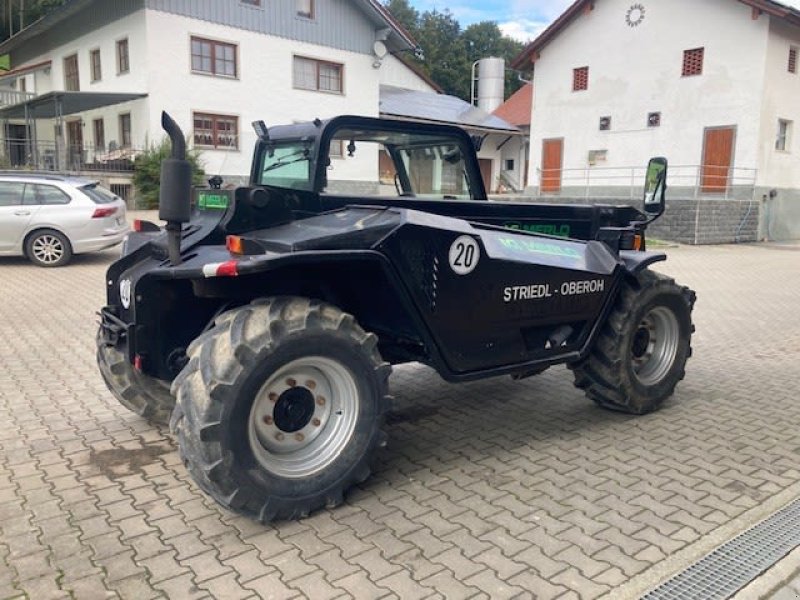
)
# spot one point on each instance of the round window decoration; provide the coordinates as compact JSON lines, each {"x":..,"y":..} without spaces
{"x":635,"y":15}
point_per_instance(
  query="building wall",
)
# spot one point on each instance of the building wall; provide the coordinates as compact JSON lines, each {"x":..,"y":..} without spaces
{"x":394,"y":72}
{"x":337,"y":24}
{"x":263,"y":89}
{"x":779,"y":169}
{"x":648,"y":79}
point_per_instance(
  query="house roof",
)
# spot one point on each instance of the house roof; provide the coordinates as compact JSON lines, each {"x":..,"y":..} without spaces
{"x":429,"y":107}
{"x":372,"y":8}
{"x":530,"y":53}
{"x":517,"y":109}
{"x":52,"y":104}
{"x":25,"y":69}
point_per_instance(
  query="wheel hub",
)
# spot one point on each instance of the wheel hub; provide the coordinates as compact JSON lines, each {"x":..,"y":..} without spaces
{"x":294,"y":409}
{"x":303,"y":416}
{"x":640,"y":342}
{"x":655,"y":345}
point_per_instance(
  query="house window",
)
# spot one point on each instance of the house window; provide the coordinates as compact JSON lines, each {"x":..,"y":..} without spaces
{"x":94,"y":60}
{"x":693,"y":62}
{"x":71,"y":76}
{"x":605,"y":123}
{"x":654,"y":119}
{"x":99,"y":134}
{"x":125,"y":130}
{"x":792,"y":67}
{"x":216,"y":131}
{"x":310,"y":74}
{"x":23,"y":84}
{"x":123,"y":57}
{"x":213,"y":58}
{"x":783,"y":138}
{"x":305,"y":8}
{"x":580,"y":79}
{"x":509,"y":164}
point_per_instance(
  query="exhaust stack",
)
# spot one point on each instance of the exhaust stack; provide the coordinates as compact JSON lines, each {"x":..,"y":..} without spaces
{"x":174,"y":204}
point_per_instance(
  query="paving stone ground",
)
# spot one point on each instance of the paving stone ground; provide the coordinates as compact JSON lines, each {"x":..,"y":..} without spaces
{"x":491,"y":489}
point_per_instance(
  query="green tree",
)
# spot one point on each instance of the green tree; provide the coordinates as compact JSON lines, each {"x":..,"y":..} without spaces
{"x":147,"y":172}
{"x":450,"y":51}
{"x":406,"y":15}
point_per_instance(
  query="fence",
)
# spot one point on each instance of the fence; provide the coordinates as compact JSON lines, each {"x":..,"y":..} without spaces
{"x":688,"y":181}
{"x":66,"y":158}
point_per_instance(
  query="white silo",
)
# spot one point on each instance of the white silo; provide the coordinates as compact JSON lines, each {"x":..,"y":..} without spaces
{"x":491,"y":83}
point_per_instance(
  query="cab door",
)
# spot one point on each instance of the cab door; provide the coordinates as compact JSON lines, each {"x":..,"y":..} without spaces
{"x":14,"y":215}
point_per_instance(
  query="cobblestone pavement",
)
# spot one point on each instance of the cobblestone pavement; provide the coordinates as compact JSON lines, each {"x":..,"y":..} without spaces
{"x":489,"y":489}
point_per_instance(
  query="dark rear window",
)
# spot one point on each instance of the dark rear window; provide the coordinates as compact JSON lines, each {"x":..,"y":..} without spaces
{"x":99,"y":195}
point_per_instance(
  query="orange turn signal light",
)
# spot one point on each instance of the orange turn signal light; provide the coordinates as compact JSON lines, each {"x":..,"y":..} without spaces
{"x":234,"y":244}
{"x":637,"y":242}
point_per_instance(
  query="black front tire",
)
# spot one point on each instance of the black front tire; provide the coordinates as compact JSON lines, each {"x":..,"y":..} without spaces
{"x":640,"y":354}
{"x":243,"y":394}
{"x":147,"y":396}
{"x":48,"y":248}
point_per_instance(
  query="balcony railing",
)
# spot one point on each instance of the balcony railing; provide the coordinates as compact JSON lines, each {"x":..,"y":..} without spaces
{"x":693,"y":181}
{"x":66,"y":158}
{"x":12,"y":97}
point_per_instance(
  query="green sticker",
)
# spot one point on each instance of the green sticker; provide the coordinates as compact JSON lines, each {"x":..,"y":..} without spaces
{"x":212,"y":201}
{"x":547,"y":229}
{"x":537,"y":247}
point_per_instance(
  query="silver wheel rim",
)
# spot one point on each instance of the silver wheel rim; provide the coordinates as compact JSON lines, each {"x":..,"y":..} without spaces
{"x":655,"y":345}
{"x":47,"y":249}
{"x":293,"y":439}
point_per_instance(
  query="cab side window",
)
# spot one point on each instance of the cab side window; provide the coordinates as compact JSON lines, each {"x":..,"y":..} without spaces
{"x":41,"y":194}
{"x":11,"y":193}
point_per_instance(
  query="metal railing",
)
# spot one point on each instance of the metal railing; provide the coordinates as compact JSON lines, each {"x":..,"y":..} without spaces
{"x":12,"y":97}
{"x":693,"y":181}
{"x":66,"y":158}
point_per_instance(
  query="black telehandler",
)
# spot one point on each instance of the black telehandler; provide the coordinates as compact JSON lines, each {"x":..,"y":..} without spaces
{"x":265,"y":320}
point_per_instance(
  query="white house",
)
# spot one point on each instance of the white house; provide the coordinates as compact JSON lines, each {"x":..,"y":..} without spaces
{"x":89,"y":81}
{"x":711,"y":85}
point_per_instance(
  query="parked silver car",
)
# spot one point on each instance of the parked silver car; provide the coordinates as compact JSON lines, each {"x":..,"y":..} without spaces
{"x":48,"y":218}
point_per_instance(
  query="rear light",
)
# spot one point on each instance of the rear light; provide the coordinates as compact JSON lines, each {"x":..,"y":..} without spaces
{"x":637,"y":242}
{"x":137,"y":362}
{"x":234,"y":244}
{"x":228,"y":268}
{"x":105,"y":211}
{"x":137,"y":225}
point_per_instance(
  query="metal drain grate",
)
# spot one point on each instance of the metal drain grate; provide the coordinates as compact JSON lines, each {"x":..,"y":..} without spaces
{"x":737,"y":562}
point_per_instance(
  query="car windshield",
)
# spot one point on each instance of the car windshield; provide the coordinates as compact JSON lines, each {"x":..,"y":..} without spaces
{"x":287,"y":165}
{"x":99,"y":194}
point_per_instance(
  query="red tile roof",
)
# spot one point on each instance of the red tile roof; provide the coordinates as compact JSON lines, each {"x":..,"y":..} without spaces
{"x":517,"y":109}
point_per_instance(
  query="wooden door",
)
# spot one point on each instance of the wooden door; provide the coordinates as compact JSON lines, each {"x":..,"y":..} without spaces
{"x":717,"y":159}
{"x":552,"y":153}
{"x":75,"y":143}
{"x":485,"y":165}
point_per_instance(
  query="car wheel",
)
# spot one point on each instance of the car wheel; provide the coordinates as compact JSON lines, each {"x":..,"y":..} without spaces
{"x":48,"y":248}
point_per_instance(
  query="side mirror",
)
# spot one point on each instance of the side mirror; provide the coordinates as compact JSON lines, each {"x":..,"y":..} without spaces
{"x":655,"y":187}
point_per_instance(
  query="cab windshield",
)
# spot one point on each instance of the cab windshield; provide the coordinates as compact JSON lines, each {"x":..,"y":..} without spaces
{"x":401,"y":164}
{"x":287,"y":165}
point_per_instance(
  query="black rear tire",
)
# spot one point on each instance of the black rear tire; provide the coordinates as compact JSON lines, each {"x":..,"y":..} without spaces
{"x":250,"y":403}
{"x":147,"y":396}
{"x":640,"y":354}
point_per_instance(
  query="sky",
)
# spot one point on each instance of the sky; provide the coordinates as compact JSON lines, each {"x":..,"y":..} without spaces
{"x":520,"y":19}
